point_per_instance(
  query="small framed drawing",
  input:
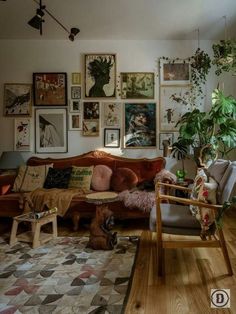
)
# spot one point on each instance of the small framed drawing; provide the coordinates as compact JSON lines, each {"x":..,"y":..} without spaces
{"x":137,"y":85}
{"x":17,"y":99}
{"x":51,"y":130}
{"x":22,"y":138}
{"x":111,"y":114}
{"x":91,"y":110}
{"x":75,"y":92}
{"x":165,"y":137}
{"x":174,"y":102}
{"x":100,"y":75}
{"x":91,"y":127}
{"x":140,"y":125}
{"x":75,"y":122}
{"x":75,"y":106}
{"x":76,"y":78}
{"x":112,"y":138}
{"x":174,"y":72}
{"x":50,"y":89}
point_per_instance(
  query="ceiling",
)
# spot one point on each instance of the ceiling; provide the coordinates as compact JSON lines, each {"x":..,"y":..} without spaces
{"x":122,"y":19}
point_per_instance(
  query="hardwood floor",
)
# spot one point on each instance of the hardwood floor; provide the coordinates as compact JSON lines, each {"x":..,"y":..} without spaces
{"x":190,"y":273}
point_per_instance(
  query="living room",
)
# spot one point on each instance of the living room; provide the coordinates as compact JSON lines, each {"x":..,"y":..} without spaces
{"x":140,"y":37}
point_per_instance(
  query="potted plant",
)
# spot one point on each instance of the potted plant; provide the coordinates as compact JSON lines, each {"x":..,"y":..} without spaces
{"x":211,"y":132}
{"x":225,"y":56}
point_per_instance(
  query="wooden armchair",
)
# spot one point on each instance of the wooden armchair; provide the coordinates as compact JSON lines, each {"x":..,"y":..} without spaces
{"x":175,"y":218}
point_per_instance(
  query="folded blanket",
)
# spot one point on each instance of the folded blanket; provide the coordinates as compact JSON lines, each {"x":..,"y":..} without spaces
{"x":43,"y":199}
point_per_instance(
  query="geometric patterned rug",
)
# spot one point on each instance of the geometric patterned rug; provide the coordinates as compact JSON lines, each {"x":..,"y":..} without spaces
{"x":63,"y":276}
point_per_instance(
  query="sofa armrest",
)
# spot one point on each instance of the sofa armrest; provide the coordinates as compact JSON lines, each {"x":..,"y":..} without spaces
{"x":6,"y":183}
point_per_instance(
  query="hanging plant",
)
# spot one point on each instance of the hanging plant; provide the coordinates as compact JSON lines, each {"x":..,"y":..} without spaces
{"x":225,"y":56}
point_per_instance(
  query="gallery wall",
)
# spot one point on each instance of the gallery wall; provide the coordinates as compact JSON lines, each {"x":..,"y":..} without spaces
{"x":19,"y":59}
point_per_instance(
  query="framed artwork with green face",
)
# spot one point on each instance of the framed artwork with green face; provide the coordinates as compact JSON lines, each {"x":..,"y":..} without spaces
{"x":100,"y":75}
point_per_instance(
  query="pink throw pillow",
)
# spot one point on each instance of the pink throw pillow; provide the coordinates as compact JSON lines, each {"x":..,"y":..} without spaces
{"x":123,"y":179}
{"x":101,"y":178}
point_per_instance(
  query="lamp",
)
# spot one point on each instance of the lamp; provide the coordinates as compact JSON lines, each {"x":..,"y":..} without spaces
{"x":37,"y":21}
{"x":11,"y":160}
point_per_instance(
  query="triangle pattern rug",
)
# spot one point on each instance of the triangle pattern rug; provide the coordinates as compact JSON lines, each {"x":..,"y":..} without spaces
{"x":64,"y":276}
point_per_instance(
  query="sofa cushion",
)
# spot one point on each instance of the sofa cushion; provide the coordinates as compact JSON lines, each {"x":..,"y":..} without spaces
{"x":101,"y":178}
{"x":217,"y":169}
{"x":123,"y":179}
{"x":30,"y":178}
{"x":81,"y":177}
{"x":57,"y":178}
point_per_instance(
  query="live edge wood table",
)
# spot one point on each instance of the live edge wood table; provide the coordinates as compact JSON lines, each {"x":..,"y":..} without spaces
{"x":35,"y":236}
{"x":101,"y":199}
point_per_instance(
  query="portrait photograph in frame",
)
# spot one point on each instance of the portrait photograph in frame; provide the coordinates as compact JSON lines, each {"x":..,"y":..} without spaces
{"x":100,"y":75}
{"x":174,"y":72}
{"x":51,"y":130}
{"x":75,"y":122}
{"x":17,"y":99}
{"x":165,"y":137}
{"x":139,"y":125}
{"x":76,"y":78}
{"x":112,"y":113}
{"x":50,"y":89}
{"x":90,"y":128}
{"x":137,"y":85}
{"x":112,"y":138}
{"x":174,"y":102}
{"x":75,"y":106}
{"x":22,"y":135}
{"x":75,"y":92}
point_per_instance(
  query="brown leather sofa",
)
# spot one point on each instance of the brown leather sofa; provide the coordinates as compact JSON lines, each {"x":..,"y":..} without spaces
{"x":11,"y":203}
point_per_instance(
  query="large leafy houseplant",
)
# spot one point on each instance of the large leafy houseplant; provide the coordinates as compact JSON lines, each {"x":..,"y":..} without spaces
{"x":215,"y":130}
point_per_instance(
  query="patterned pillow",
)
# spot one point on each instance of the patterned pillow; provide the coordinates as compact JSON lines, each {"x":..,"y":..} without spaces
{"x":101,"y":178}
{"x":81,"y":177}
{"x":199,"y":181}
{"x":30,"y":178}
{"x":57,"y":178}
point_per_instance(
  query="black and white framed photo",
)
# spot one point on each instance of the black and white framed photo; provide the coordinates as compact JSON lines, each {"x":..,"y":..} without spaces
{"x":75,"y":105}
{"x":75,"y":92}
{"x":112,"y":138}
{"x":165,"y":137}
{"x":51,"y":130}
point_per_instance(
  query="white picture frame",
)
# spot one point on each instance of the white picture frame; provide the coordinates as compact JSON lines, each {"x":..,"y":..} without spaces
{"x":22,"y":134}
{"x":75,"y":121}
{"x":174,"y":72}
{"x":112,"y":113}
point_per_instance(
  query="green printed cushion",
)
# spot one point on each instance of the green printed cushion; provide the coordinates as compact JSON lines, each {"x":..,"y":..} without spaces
{"x":81,"y":177}
{"x":30,"y":178}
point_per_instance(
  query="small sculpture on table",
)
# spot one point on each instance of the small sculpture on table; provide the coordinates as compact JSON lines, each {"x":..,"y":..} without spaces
{"x":101,"y":237}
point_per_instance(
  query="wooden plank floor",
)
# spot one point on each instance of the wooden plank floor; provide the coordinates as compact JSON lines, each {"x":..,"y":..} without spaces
{"x":190,"y":273}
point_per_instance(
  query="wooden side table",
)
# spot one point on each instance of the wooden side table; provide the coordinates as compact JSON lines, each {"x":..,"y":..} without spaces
{"x":35,"y":236}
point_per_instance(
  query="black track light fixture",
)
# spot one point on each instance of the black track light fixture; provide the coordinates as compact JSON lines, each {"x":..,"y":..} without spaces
{"x":37,"y":21}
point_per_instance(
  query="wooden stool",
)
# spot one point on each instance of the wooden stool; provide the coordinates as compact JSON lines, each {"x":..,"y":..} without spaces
{"x":34,"y":236}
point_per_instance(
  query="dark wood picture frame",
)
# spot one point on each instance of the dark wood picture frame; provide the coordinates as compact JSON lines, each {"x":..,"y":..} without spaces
{"x":50,"y":88}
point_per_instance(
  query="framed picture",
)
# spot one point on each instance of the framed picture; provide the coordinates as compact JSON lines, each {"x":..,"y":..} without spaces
{"x":51,"y":130}
{"x":91,"y":127}
{"x":17,"y":99}
{"x":100,"y":75}
{"x":75,"y":92}
{"x":111,"y":114}
{"x":76,"y":78}
{"x":174,"y":102}
{"x":22,"y":134}
{"x":50,"y":89}
{"x":112,"y":138}
{"x":75,"y":106}
{"x":174,"y":72}
{"x":140,"y":125}
{"x":137,"y":85}
{"x":91,"y":110}
{"x":75,"y":122}
{"x":165,"y":137}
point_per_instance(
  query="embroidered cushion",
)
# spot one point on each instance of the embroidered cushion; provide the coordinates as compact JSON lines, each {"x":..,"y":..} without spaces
{"x":123,"y":179}
{"x":101,"y":178}
{"x":30,"y":178}
{"x":57,"y":178}
{"x":81,"y":177}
